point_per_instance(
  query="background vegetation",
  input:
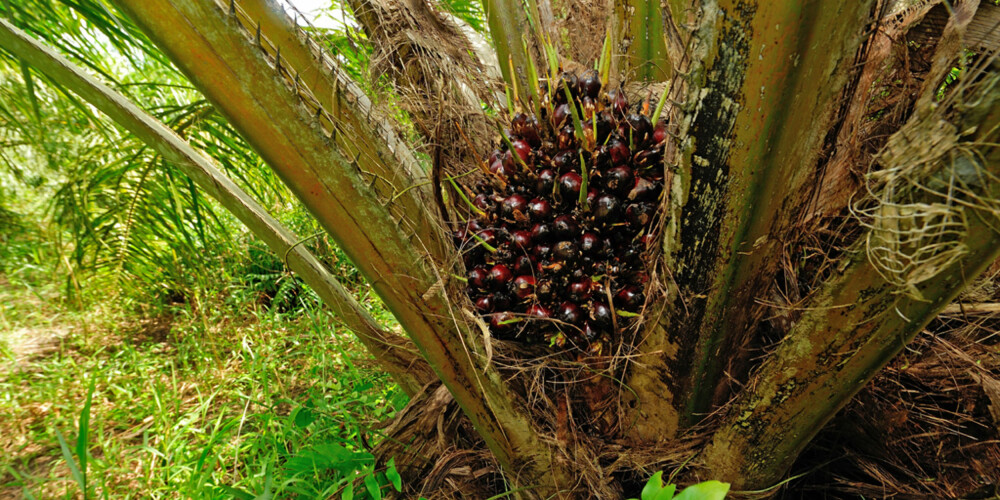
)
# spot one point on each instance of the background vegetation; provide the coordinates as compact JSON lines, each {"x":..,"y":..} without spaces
{"x":206,"y":368}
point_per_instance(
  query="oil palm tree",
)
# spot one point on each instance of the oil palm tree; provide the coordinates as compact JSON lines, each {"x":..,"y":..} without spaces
{"x":800,"y":249}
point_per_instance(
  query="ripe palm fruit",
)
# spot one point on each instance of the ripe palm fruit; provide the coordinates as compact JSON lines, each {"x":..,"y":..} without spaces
{"x":566,"y":216}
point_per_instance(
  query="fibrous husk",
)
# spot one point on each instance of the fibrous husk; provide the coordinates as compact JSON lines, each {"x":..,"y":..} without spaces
{"x":926,"y":427}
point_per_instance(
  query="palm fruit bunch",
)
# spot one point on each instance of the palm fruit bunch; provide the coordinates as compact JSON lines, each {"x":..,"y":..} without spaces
{"x":563,"y":216}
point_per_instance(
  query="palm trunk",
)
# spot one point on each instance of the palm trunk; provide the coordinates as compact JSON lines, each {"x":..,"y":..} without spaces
{"x":758,"y":85}
{"x":514,"y":44}
{"x":640,"y":46}
{"x":860,"y":319}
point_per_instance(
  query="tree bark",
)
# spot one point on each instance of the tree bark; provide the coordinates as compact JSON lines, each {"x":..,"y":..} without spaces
{"x":640,"y":50}
{"x":516,"y":46}
{"x":357,"y":128}
{"x":758,"y":88}
{"x":860,"y":319}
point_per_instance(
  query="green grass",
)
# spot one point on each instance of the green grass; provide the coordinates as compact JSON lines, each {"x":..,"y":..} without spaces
{"x":185,"y":405}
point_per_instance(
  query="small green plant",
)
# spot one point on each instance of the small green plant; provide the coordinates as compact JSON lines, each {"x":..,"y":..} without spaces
{"x":708,"y":490}
{"x":79,"y":470}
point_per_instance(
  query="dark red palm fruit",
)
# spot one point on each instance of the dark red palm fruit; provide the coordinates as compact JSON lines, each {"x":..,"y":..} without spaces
{"x":564,"y":161}
{"x":592,"y":194}
{"x":588,"y":106}
{"x":640,"y":127}
{"x":502,"y":301}
{"x":524,"y":286}
{"x":539,"y":311}
{"x":570,"y":184}
{"x":542,"y":251}
{"x":542,"y":232}
{"x":660,"y":133}
{"x":470,"y":257}
{"x":565,"y":227}
{"x":568,"y":79}
{"x":502,"y":322}
{"x":589,"y":332}
{"x":521,"y":238}
{"x":539,"y":209}
{"x":485,"y":303}
{"x":482,"y":202}
{"x":606,"y":208}
{"x":630,"y":298}
{"x":645,"y":190}
{"x":530,"y":132}
{"x":619,"y":180}
{"x":569,"y":312}
{"x":488,"y":236}
{"x":499,"y":276}
{"x":478,"y":277}
{"x":523,"y":265}
{"x":460,"y":235}
{"x":639,"y":214}
{"x":602,"y":314}
{"x":508,"y":161}
{"x":513,"y":203}
{"x":591,"y":244}
{"x":601,"y":159}
{"x":618,"y":102}
{"x":546,"y":181}
{"x":474,"y":226}
{"x":580,"y":290}
{"x":639,"y":278}
{"x":523,"y":149}
{"x":560,"y":115}
{"x":648,"y":159}
{"x":618,"y":151}
{"x":497,"y":168}
{"x":604,"y":126}
{"x":494,"y":156}
{"x":566,"y":139}
{"x":518,"y":122}
{"x":544,"y":289}
{"x":566,"y":251}
{"x":589,"y":84}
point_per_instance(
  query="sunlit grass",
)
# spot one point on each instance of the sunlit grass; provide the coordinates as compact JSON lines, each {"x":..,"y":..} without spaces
{"x":187,"y":405}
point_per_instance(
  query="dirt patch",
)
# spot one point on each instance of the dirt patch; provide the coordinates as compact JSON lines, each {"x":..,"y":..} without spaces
{"x":153,"y":330}
{"x":28,"y":343}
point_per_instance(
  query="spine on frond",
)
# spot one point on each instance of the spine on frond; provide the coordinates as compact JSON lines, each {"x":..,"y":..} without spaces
{"x":342,"y":110}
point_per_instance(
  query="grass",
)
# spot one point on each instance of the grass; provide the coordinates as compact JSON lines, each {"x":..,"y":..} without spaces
{"x":228,"y":403}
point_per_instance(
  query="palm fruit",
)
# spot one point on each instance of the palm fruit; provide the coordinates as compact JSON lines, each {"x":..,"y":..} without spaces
{"x":563,"y":217}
